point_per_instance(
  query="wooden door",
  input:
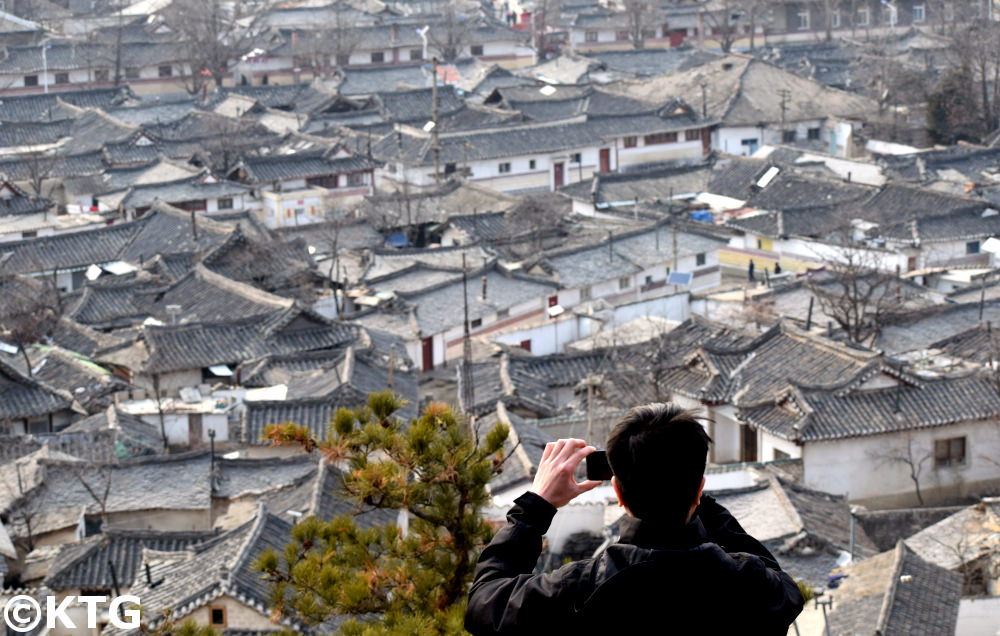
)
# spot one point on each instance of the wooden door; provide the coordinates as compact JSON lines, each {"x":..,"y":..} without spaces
{"x":427,"y":349}
{"x":605,"y":160}
{"x":557,"y":174}
{"x":748,"y":444}
{"x":194,"y":430}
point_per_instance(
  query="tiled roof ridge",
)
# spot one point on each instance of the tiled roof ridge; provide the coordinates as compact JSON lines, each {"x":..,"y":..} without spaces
{"x":787,"y":504}
{"x":29,"y":380}
{"x":888,"y":599}
{"x":735,"y":95}
{"x":237,"y":287}
{"x":837,"y":348}
{"x":259,"y":521}
{"x":130,"y":462}
{"x":323,"y":467}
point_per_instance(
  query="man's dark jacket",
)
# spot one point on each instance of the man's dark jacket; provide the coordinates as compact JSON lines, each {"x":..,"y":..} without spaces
{"x":707,"y":577}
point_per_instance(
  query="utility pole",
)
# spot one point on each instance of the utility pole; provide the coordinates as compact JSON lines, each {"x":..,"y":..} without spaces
{"x":785,"y":95}
{"x":468,"y":394}
{"x":434,"y":118}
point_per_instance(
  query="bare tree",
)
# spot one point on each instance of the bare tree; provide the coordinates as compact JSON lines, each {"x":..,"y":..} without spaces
{"x":452,"y":33}
{"x":727,"y":19}
{"x":907,"y":454}
{"x":96,"y":475}
{"x":545,"y":13}
{"x":977,"y":47}
{"x":23,"y":508}
{"x":858,"y":294}
{"x":30,"y":310}
{"x":40,"y":166}
{"x":331,"y":45}
{"x":641,"y":16}
{"x":216,"y":34}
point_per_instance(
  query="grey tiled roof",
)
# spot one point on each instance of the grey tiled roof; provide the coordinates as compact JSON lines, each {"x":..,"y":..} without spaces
{"x":198,"y":345}
{"x":896,"y":592}
{"x":919,"y":330}
{"x":301,"y":166}
{"x":85,"y":564}
{"x":157,"y":482}
{"x":646,"y":185}
{"x":979,"y":344}
{"x":193,"y":188}
{"x":436,"y":308}
{"x":23,"y":397}
{"x":163,"y":230}
{"x":25,"y":108}
{"x":91,"y":386}
{"x":313,"y":413}
{"x":815,"y":415}
{"x":74,"y":336}
{"x":959,"y":539}
{"x":240,"y":477}
{"x":647,"y":62}
{"x":18,"y":202}
{"x":221,"y":565}
{"x":330,"y":500}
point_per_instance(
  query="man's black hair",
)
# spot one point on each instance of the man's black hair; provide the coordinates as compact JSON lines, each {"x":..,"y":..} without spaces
{"x":658,"y":454}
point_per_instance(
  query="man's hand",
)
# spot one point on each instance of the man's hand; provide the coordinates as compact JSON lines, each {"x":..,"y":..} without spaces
{"x":554,"y":480}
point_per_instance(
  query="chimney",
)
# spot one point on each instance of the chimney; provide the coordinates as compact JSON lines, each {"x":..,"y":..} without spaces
{"x":781,"y":224}
{"x":194,"y":227}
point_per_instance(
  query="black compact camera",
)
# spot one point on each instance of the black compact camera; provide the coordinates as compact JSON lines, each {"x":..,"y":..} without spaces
{"x":598,"y":468}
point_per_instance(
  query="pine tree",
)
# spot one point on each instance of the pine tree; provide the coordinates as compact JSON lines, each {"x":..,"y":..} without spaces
{"x":387,"y":580}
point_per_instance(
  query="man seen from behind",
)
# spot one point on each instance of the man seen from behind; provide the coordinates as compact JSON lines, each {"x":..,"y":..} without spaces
{"x":682,"y":563}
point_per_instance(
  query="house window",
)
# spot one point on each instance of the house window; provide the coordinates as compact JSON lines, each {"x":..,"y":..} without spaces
{"x":835,"y":19}
{"x":131,"y":73}
{"x":660,"y":138}
{"x":649,"y":280}
{"x":692,"y":135}
{"x":343,"y":59}
{"x":356,"y":179}
{"x":787,"y":136}
{"x":918,"y":13}
{"x":699,"y":259}
{"x":416,"y":54}
{"x":29,"y":234}
{"x":31,"y":80}
{"x":590,"y":36}
{"x":780,"y":454}
{"x":649,"y":33}
{"x":575,"y":158}
{"x":812,"y":133}
{"x":450,"y":168}
{"x":949,"y":452}
{"x":378,"y":57}
{"x":585,"y":293}
{"x":621,"y":35}
{"x":102,"y":75}
{"x":803,"y":20}
{"x":503,"y":313}
{"x":326,"y":181}
{"x":504,"y":167}
{"x":62,"y":78}
{"x":476,"y":49}
{"x":475,"y":323}
{"x":531,"y":164}
{"x":165,"y":71}
{"x":624,"y":282}
{"x":972,"y":247}
{"x":863,"y":17}
{"x":226,"y":203}
{"x":217,"y":616}
{"x":631,"y":142}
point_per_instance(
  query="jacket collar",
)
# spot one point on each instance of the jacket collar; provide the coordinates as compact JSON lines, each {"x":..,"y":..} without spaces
{"x":646,"y":534}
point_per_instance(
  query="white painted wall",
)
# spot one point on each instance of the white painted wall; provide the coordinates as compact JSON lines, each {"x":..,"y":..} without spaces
{"x":978,"y":617}
{"x":725,"y":434}
{"x":856,"y":466}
